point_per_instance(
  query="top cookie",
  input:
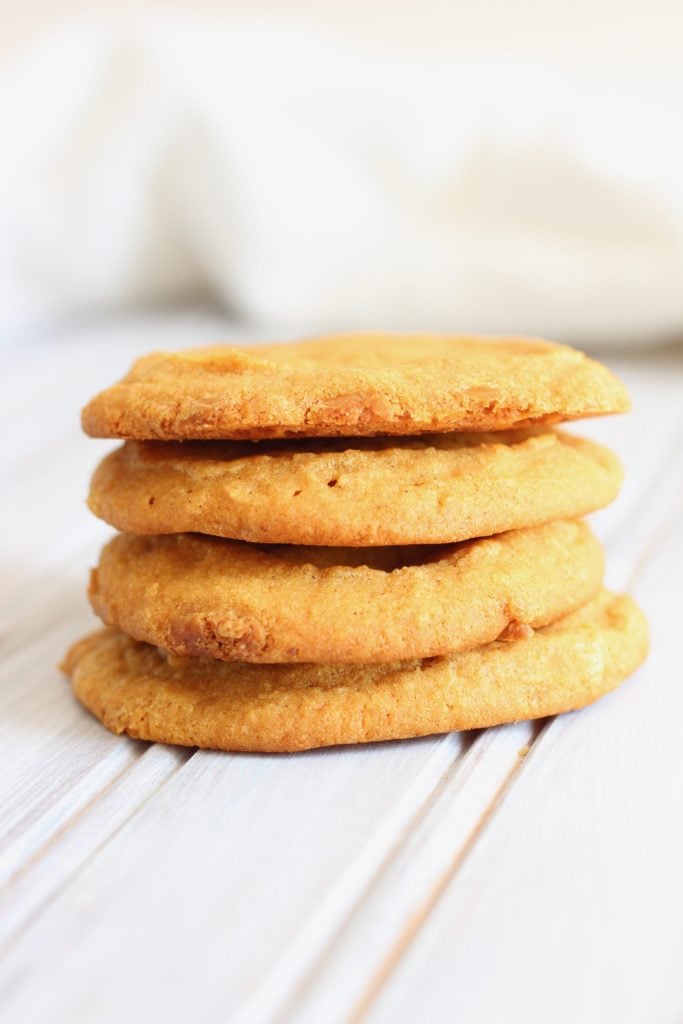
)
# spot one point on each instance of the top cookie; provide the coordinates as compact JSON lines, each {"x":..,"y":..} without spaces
{"x":357,"y":384}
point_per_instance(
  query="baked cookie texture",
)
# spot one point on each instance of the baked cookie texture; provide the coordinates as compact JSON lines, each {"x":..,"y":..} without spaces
{"x":355,"y":538}
{"x":354,"y":384}
{"x":134,"y":688}
{"x":433,"y":489}
{"x":195,"y":595}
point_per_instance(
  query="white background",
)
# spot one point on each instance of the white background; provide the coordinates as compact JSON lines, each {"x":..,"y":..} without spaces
{"x":502,"y":167}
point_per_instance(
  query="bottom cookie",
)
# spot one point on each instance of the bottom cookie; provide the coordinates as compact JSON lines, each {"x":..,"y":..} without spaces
{"x":134,"y":688}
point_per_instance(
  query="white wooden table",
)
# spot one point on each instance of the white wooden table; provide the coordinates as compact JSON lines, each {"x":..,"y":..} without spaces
{"x":527,"y":873}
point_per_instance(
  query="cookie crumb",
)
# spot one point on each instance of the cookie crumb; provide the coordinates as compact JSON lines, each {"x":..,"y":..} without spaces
{"x":516,"y":631}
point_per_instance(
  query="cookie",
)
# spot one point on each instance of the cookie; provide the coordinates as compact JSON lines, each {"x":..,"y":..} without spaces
{"x":134,"y":688}
{"x":434,"y":489}
{"x":353,"y":384}
{"x":197,"y":595}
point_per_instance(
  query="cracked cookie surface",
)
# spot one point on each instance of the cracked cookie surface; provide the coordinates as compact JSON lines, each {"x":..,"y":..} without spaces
{"x":363,"y":383}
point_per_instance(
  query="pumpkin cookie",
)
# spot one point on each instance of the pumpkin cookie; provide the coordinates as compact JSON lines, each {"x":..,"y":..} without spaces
{"x":197,"y":595}
{"x":433,"y":489}
{"x":134,"y":688}
{"x":354,"y":384}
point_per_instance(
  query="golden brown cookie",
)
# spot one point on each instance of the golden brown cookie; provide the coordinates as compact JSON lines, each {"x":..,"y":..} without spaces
{"x":196,"y":595}
{"x":434,"y":489}
{"x":134,"y":688}
{"x":354,"y":384}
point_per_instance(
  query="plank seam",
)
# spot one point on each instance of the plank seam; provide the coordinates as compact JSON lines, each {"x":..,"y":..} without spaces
{"x":284,"y":1004}
{"x":460,"y":762}
{"x":68,"y":822}
{"x":184,"y":756}
{"x":422,"y":913}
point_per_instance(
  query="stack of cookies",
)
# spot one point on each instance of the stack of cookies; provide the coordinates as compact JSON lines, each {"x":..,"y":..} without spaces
{"x":361,"y":537}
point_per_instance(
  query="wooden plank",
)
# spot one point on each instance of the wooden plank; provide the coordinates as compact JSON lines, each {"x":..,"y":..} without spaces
{"x":57,"y":844}
{"x":55,"y":757}
{"x":403,"y":892}
{"x":236,"y":859}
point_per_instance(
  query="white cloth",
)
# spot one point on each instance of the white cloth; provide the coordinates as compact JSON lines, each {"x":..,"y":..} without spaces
{"x":303,"y":181}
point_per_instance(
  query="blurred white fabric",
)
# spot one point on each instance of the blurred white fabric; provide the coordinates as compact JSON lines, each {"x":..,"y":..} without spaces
{"x":301,"y":180}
